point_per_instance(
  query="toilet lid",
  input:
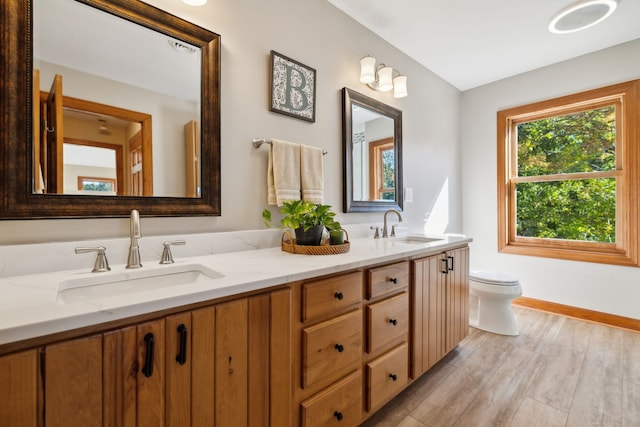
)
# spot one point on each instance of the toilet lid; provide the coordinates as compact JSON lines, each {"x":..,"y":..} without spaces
{"x":493,"y":278}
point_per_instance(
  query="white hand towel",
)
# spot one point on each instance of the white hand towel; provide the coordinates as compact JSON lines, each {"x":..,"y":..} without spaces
{"x":311,"y":174}
{"x":283,"y":172}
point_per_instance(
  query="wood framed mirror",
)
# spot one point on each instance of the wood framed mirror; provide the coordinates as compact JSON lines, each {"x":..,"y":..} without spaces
{"x":20,"y":195}
{"x":372,"y":154}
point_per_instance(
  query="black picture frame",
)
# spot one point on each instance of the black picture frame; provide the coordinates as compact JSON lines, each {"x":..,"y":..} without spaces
{"x":293,"y":88}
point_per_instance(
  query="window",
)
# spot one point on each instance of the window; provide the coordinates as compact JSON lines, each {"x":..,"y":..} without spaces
{"x":568,"y":172}
{"x":87,"y":183}
{"x":382,"y":166}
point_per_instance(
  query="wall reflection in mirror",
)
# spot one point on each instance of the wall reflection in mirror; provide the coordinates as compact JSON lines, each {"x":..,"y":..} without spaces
{"x":373,"y":155}
{"x":111,"y":118}
{"x":372,"y":140}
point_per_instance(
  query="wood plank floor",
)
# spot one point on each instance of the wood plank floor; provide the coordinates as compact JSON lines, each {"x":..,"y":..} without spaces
{"x":558,"y":372}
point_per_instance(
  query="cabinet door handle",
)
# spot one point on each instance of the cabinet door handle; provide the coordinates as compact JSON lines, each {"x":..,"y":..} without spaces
{"x":393,"y":280}
{"x":446,"y":265}
{"x":394,"y":377}
{"x":338,"y":415}
{"x":181,"y":358}
{"x":147,"y":369}
{"x":339,"y":295}
{"x":394,"y":322}
{"x":450,"y":263}
{"x":339,"y":347}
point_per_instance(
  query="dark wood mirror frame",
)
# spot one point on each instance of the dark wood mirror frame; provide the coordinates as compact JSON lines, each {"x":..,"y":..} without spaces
{"x":17,"y":200}
{"x":350,"y":97}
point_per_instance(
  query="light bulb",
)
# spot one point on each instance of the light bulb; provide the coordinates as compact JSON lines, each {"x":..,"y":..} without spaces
{"x":367,"y":70}
{"x":385,"y":81}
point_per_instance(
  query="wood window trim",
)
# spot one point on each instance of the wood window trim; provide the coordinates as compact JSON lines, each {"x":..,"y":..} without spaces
{"x":625,"y":250}
{"x":119,"y":187}
{"x":376,"y":179}
{"x":82,"y":179}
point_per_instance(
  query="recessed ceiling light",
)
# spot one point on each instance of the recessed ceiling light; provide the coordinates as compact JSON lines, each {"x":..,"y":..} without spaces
{"x":195,"y":2}
{"x":581,"y":14}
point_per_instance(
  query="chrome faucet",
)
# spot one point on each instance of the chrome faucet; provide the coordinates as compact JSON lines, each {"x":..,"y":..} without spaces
{"x":133,"y":261}
{"x":384,"y":229}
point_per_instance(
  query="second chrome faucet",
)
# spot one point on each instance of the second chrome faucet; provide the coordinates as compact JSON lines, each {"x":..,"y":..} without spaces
{"x":133,"y":260}
{"x":385,"y":232}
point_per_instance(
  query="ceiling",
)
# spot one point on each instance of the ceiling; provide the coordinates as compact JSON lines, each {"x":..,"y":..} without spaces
{"x":97,"y":43}
{"x":470,"y":43}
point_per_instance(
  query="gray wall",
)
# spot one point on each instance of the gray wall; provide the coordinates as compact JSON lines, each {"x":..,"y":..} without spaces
{"x":600,"y":287}
{"x":320,"y":36}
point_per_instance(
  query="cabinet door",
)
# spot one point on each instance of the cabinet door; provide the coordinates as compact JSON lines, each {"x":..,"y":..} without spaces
{"x":280,"y":382}
{"x":178,"y":370}
{"x":19,"y":390}
{"x":150,"y":338}
{"x":120,"y":367}
{"x":134,"y":375}
{"x":457,"y":296}
{"x":429,"y":313}
{"x":73,"y":382}
{"x":241,"y":362}
{"x":231,"y":363}
{"x":203,"y":367}
{"x":440,"y":307}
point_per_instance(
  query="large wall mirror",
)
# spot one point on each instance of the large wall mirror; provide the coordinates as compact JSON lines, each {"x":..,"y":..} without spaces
{"x":372,"y":154}
{"x":107,"y":106}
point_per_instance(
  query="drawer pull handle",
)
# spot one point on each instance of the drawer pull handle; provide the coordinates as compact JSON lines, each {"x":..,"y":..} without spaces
{"x":147,"y":369}
{"x":393,"y":280}
{"x":339,"y":347}
{"x":394,"y":377}
{"x":339,"y":295}
{"x":181,"y":358}
{"x":394,"y":322}
{"x":338,"y":415}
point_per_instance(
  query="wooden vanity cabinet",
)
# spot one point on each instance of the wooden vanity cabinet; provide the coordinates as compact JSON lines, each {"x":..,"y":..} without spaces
{"x":224,"y":364}
{"x":440,"y":307}
{"x":321,"y":352}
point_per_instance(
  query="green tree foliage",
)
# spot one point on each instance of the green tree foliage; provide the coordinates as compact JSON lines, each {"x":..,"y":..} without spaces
{"x":577,"y":209}
{"x":388,"y":174}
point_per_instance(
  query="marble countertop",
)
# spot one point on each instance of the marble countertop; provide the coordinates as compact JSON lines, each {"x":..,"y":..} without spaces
{"x":32,"y":305}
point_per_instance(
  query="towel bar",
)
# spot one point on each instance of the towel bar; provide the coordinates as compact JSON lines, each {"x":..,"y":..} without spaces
{"x":258,"y":142}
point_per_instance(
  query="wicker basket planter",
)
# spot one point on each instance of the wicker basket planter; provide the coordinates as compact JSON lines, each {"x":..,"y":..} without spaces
{"x":288,"y":244}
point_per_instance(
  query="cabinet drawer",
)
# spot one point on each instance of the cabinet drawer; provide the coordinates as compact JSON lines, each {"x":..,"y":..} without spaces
{"x":386,"y":376}
{"x":324,"y":297}
{"x":339,"y":404}
{"x":387,"y":320}
{"x":388,"y":279}
{"x":331,"y":347}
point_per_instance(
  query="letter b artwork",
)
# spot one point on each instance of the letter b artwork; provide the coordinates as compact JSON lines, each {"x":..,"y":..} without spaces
{"x":293,"y":88}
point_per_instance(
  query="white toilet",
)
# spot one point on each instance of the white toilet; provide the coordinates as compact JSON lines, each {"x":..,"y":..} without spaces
{"x":490,"y":296}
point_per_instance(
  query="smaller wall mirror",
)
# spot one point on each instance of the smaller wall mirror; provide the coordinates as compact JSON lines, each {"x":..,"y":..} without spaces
{"x":372,"y":154}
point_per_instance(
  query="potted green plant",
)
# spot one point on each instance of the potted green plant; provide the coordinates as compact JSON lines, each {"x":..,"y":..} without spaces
{"x":308,"y":220}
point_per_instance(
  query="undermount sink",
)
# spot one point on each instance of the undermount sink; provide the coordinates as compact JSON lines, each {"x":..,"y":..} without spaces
{"x":103,"y":285}
{"x":414,"y":240}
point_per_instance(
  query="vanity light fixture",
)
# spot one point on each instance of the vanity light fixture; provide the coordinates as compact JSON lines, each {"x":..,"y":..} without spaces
{"x":382,"y":77}
{"x":195,"y":2}
{"x":581,"y":14}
